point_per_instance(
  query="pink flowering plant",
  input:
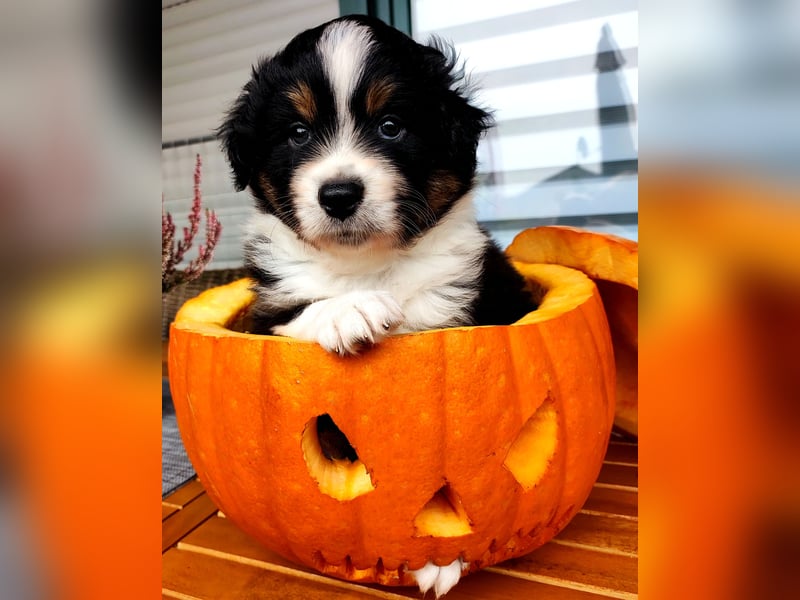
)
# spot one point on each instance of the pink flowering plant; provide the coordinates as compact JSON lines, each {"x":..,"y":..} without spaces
{"x":173,"y":251}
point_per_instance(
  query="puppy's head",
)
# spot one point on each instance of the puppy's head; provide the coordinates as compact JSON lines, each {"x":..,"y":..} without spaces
{"x":355,"y":135}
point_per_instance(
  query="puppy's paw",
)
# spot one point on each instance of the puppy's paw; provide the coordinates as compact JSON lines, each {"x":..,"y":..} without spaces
{"x":346,"y":323}
{"x":441,"y":579}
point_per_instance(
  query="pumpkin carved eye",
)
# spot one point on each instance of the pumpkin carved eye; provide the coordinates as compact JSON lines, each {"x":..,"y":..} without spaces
{"x":338,"y":471}
{"x":333,"y":441}
{"x":531,"y":452}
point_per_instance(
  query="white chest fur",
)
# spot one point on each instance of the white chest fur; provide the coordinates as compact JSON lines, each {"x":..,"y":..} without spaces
{"x":433,"y":282}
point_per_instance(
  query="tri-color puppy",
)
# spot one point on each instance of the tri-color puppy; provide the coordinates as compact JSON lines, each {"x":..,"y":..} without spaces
{"x":359,"y":146}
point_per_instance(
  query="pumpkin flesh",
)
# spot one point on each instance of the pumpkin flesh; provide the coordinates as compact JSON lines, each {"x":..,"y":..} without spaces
{"x":441,"y":421}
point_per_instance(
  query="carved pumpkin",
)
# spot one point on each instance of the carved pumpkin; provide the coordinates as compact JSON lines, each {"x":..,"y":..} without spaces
{"x":472,"y":442}
{"x":613,"y":263}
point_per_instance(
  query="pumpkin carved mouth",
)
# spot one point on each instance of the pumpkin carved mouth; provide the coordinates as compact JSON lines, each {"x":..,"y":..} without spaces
{"x":332,"y":461}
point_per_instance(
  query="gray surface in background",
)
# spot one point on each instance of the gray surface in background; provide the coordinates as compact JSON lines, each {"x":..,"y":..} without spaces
{"x":175,"y":466}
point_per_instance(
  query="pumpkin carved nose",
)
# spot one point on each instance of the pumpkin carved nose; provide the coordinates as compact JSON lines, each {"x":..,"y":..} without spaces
{"x":442,"y":516}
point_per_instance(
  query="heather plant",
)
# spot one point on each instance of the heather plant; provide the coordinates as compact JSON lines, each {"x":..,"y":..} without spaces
{"x":173,"y":251}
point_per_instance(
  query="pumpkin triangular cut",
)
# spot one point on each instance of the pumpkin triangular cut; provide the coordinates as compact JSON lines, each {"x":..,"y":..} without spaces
{"x":443,"y":516}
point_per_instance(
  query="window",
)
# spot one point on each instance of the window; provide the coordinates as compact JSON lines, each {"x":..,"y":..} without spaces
{"x":562,"y":79}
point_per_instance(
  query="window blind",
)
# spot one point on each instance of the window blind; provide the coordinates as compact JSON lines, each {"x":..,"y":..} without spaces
{"x":562,"y":80}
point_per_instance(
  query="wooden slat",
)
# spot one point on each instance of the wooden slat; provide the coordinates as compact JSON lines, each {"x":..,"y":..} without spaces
{"x":611,"y":573}
{"x":199,"y":575}
{"x":214,"y":578}
{"x":220,"y":535}
{"x":619,"y":475}
{"x":594,"y":558}
{"x":623,"y":453}
{"x":617,"y":502}
{"x":607,"y":534}
{"x":186,"y":519}
{"x":493,"y":584}
{"x":184,"y":494}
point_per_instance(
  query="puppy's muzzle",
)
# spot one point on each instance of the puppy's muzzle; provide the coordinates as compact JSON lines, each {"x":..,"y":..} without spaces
{"x":340,"y":199}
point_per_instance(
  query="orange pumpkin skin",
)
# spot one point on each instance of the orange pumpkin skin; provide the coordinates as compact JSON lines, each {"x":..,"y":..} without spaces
{"x":613,"y":263}
{"x":423,"y":410}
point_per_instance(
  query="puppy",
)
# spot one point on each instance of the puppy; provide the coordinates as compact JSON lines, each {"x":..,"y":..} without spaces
{"x":359,"y":147}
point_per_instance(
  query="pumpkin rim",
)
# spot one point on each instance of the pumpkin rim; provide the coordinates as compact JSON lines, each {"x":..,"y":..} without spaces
{"x":615,"y":259}
{"x":214,"y":310}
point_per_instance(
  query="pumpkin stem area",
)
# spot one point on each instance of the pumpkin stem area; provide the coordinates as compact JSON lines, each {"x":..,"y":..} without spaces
{"x":332,"y":461}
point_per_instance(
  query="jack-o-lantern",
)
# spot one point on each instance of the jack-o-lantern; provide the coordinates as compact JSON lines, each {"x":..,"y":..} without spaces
{"x":472,"y":442}
{"x":613,"y":263}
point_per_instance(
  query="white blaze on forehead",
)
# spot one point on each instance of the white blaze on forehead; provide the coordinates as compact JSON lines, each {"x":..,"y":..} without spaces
{"x":344,"y":47}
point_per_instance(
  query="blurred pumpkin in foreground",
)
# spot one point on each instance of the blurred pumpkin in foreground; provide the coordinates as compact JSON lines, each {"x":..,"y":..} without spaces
{"x":472,"y":442}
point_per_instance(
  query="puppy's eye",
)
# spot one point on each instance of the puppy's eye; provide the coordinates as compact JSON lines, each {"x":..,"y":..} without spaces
{"x":299,"y":134}
{"x":390,"y":128}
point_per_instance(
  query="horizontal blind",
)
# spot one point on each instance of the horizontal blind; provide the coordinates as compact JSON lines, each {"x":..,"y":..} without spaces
{"x":562,"y":80}
{"x":207,"y":50}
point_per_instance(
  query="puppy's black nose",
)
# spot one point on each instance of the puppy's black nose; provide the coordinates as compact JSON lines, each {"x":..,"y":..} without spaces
{"x":341,"y":198}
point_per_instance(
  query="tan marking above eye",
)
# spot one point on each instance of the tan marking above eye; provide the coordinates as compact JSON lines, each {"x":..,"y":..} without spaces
{"x":378,"y":94}
{"x":303,"y":100}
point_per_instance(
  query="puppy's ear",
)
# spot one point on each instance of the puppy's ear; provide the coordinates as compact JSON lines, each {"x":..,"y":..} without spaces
{"x":465,"y":121}
{"x":237,"y":133}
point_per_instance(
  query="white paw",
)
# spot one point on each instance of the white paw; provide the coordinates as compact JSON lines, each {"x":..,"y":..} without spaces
{"x":346,"y":323}
{"x":441,"y":579}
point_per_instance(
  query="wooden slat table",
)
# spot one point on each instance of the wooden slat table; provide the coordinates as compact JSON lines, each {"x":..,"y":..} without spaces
{"x":207,"y":557}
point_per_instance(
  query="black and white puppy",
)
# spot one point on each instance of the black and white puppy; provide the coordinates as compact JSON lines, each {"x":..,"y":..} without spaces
{"x":359,"y":146}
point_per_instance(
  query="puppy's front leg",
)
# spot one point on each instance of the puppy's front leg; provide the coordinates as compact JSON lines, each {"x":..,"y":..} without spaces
{"x":345,"y":323}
